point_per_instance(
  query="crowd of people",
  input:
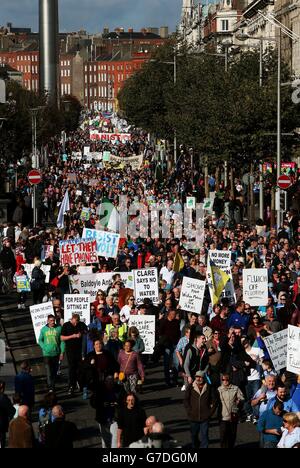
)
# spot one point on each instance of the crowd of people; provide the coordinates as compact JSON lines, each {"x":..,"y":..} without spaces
{"x":217,"y":357}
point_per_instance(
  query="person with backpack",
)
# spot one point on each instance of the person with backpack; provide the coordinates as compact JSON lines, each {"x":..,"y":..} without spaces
{"x":195,"y":357}
{"x":45,"y":415}
{"x":37,"y":282}
{"x":53,"y":349}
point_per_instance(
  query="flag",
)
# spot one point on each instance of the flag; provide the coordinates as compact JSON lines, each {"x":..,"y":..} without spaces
{"x":219,"y":281}
{"x":178,"y":263}
{"x":64,"y":207}
{"x":109,"y":216}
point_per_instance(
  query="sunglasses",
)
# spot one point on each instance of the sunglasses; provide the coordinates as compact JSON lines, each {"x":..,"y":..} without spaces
{"x":225,"y":380}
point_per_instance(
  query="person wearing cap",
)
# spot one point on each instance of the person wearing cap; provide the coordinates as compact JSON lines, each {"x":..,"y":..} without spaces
{"x":200,"y":402}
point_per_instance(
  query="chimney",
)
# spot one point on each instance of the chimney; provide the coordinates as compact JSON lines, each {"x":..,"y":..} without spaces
{"x":130,"y":30}
{"x":143,"y":30}
{"x":117,"y":30}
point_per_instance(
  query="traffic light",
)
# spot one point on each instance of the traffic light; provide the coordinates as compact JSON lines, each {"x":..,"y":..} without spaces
{"x":283,"y":200}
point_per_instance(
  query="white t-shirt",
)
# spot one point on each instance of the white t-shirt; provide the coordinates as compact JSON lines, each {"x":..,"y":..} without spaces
{"x":167,"y":275}
{"x":256,"y":354}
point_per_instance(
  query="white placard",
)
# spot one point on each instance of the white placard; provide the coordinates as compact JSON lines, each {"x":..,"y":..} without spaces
{"x":86,"y":150}
{"x":39,"y":316}
{"x":107,"y":242}
{"x":293,"y":350}
{"x":222,"y":260}
{"x":2,"y":352}
{"x":45,"y":268}
{"x":146,"y":327}
{"x":91,"y":284}
{"x":191,"y":203}
{"x":192,"y":294}
{"x":85,"y":270}
{"x":277,"y":348}
{"x":146,"y":285}
{"x":77,"y":304}
{"x":255,"y":286}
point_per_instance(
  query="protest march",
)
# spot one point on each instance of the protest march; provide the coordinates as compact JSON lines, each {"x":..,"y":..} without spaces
{"x":219,"y":319}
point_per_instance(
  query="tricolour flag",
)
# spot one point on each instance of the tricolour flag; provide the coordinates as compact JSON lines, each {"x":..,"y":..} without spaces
{"x":64,"y":207}
{"x":109,"y":216}
{"x":219,"y":281}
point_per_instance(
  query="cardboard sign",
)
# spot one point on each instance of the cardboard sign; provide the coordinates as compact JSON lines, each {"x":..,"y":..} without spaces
{"x":277,"y":348}
{"x":192,"y":294}
{"x":91,"y":284}
{"x":222,"y":260}
{"x":77,"y":304}
{"x":146,"y":285}
{"x":107,"y":242}
{"x":23,"y":283}
{"x":293,"y":350}
{"x":255,"y":286}
{"x":85,"y":270}
{"x":2,"y":352}
{"x":74,"y":251}
{"x":85,"y":214}
{"x":146,"y":327}
{"x":39,"y":316}
{"x":191,"y":203}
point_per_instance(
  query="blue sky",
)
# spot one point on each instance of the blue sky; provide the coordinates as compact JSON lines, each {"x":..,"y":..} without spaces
{"x":93,"y":15}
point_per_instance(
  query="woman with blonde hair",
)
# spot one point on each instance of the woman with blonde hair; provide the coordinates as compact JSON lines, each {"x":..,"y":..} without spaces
{"x":291,"y":432}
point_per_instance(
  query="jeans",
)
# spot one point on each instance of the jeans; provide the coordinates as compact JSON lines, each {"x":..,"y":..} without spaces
{"x":228,"y":431}
{"x":51,"y":364}
{"x":251,"y":388}
{"x":108,"y":434}
{"x":199,"y":427}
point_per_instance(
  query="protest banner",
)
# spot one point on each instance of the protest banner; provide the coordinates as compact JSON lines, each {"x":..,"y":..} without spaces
{"x":191,"y":203}
{"x":23,"y":284}
{"x":85,"y":270}
{"x":77,"y":304}
{"x":110,"y":137}
{"x":96,"y":155}
{"x":91,"y":284}
{"x":74,"y":251}
{"x":293,"y":350}
{"x":2,"y":352}
{"x":107,"y":242}
{"x":76,"y":155}
{"x":277,"y":348}
{"x":45,"y":269}
{"x":255,"y":286}
{"x":39,"y":315}
{"x":135,"y":162}
{"x":192,"y":294}
{"x":221,"y":259}
{"x":85,"y":214}
{"x":146,"y":285}
{"x":146,"y":327}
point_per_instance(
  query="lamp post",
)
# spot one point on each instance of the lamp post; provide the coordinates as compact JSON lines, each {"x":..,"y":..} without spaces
{"x":35,"y":158}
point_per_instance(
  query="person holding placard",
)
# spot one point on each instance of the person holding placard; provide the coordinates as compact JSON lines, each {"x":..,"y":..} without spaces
{"x":21,"y":281}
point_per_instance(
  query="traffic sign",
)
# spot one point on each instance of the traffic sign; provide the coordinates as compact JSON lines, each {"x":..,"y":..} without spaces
{"x":284,"y":182}
{"x":34,"y":177}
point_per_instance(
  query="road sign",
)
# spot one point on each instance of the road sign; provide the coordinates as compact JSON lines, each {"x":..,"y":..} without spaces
{"x":34,"y":177}
{"x":284,"y":182}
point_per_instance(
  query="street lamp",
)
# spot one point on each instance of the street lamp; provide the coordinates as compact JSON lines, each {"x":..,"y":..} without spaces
{"x":174,"y":63}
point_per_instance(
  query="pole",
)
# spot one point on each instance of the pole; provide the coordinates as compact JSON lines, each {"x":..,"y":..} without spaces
{"x":225,"y":173}
{"x":279,"y":122}
{"x":261,"y":51}
{"x":261,"y":192}
{"x":226,"y":58}
{"x":175,"y":133}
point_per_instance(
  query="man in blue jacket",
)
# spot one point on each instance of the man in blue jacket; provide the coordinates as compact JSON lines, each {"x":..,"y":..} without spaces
{"x":239,"y":318}
{"x":24,"y":385}
{"x":269,"y":425}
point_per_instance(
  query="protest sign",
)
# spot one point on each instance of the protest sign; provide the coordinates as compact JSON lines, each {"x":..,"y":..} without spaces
{"x":77,"y":304}
{"x":146,"y":327}
{"x":85,"y":214}
{"x":135,"y":162}
{"x":191,"y":203}
{"x":192,"y":294}
{"x":277,"y":348}
{"x":74,"y":251}
{"x":23,"y":284}
{"x":106,"y":156}
{"x":86,"y":150}
{"x":293,"y":350}
{"x":45,"y":269}
{"x":221,"y":259}
{"x":85,"y":270}
{"x":39,"y":316}
{"x":107,"y":242}
{"x":110,"y":137}
{"x":78,"y":193}
{"x":76,"y":155}
{"x":91,"y":284}
{"x":255,"y":286}
{"x":146,"y":285}
{"x":2,"y":352}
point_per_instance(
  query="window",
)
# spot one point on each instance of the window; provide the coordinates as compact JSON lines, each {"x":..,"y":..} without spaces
{"x":225,"y":25}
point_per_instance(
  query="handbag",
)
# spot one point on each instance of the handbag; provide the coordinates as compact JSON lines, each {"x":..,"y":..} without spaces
{"x":122,"y":374}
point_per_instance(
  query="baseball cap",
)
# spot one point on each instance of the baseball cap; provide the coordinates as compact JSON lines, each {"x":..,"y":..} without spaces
{"x":200,"y":373}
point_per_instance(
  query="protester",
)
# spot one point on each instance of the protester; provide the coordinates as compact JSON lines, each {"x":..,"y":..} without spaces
{"x":20,"y":430}
{"x":24,"y":385}
{"x":291,"y":432}
{"x":131,"y":367}
{"x":131,"y":421}
{"x":7,"y":412}
{"x":60,"y":434}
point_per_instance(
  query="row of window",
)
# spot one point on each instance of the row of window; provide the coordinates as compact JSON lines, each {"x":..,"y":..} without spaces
{"x":65,"y":89}
{"x":66,"y":72}
{"x":107,"y":67}
{"x":31,"y":85}
{"x":103,"y":91}
{"x":65,"y":63}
